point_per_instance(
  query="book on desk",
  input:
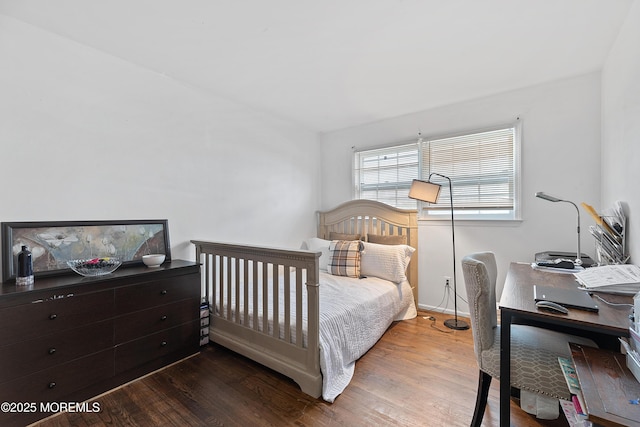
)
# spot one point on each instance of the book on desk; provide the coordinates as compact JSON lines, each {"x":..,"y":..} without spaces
{"x":575,"y":409}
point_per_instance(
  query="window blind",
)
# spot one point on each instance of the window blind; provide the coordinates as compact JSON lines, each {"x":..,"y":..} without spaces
{"x":481,"y":168}
{"x":386,"y":174}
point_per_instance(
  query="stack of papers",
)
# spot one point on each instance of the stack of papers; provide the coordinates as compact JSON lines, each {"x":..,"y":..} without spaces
{"x":615,"y":279}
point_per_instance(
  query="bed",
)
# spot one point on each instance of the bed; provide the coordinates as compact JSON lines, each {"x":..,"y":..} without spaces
{"x":299,"y":313}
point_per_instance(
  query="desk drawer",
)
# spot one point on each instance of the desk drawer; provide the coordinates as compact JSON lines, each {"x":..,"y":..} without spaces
{"x":160,"y":292}
{"x":137,"y":353}
{"x":28,"y":321}
{"x":37,"y":354}
{"x":140,"y":323}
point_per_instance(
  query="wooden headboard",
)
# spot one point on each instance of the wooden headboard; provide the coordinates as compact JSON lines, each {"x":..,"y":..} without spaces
{"x":370,"y":217}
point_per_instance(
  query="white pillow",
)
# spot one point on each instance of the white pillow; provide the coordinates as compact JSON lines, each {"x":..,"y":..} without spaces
{"x":315,"y":244}
{"x":387,"y":262}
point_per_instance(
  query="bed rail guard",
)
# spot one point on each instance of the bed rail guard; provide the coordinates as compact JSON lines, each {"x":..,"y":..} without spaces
{"x":242,"y":283}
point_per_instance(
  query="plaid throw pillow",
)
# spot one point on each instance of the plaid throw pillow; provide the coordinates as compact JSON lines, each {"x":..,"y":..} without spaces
{"x":345,"y":258}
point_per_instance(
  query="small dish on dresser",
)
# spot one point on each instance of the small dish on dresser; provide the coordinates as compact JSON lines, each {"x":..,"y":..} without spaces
{"x":153,"y":260}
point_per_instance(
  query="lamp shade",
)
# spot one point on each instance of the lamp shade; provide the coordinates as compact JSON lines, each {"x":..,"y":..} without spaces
{"x":424,"y":191}
{"x":545,"y":196}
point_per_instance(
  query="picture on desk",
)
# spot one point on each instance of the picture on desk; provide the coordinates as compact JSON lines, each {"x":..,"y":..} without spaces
{"x":569,"y":298}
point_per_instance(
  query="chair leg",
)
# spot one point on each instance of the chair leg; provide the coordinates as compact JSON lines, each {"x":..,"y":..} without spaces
{"x":484,"y":382}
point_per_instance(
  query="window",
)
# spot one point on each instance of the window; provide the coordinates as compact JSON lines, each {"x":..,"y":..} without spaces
{"x":385,"y":174}
{"x":483,"y":167}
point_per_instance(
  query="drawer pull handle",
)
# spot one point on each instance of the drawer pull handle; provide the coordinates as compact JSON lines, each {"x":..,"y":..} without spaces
{"x":52,"y":350}
{"x":163,"y":292}
{"x":163,"y":344}
{"x":53,"y":316}
{"x":163,"y":318}
{"x":52,"y":384}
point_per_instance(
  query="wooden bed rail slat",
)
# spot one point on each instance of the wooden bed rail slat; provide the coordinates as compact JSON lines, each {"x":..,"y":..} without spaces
{"x":237,"y":280}
{"x":245,"y":275}
{"x":275,"y":300}
{"x":265,"y":297}
{"x":218,"y":266}
{"x":255,"y":301}
{"x":298,"y":306}
{"x":227,"y":286}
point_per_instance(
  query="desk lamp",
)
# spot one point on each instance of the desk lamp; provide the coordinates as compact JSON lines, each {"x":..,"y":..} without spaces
{"x":544,"y":196}
{"x":428,"y":191}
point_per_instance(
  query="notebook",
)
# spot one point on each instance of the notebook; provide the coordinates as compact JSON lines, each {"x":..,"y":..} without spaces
{"x":570,"y":298}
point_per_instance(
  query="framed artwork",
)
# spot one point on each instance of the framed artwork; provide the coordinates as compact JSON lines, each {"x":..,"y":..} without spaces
{"x":52,"y":244}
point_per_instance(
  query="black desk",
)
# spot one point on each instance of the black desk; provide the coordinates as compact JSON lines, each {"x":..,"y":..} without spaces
{"x":517,"y":306}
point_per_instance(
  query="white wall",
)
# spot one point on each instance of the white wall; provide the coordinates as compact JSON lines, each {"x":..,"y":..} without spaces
{"x":560,"y":155}
{"x":87,"y":136}
{"x":621,"y":127}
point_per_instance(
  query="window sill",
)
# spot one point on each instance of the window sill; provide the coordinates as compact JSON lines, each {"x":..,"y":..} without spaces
{"x":470,"y":222}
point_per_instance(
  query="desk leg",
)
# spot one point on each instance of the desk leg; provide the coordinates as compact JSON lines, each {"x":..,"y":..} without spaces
{"x":505,"y":368}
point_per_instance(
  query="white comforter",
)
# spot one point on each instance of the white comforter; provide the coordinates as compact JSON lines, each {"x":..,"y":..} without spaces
{"x":354,"y":314}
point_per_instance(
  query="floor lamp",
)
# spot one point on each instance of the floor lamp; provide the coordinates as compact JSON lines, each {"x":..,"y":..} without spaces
{"x":428,"y":191}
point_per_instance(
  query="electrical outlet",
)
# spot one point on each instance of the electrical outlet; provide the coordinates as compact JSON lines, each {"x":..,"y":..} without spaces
{"x":447,"y":279}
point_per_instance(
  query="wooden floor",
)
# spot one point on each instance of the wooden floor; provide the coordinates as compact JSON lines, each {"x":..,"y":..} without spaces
{"x":416,"y":375}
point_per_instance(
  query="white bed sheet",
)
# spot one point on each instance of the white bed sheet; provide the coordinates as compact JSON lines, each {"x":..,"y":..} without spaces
{"x":354,"y":314}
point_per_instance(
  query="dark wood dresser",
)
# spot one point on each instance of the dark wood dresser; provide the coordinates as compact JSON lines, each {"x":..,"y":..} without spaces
{"x":67,"y":339}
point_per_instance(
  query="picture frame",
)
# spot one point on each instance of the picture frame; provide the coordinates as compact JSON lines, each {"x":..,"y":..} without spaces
{"x":53,"y":243}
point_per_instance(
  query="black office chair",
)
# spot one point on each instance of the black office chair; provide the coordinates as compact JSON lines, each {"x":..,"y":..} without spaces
{"x":534,"y":351}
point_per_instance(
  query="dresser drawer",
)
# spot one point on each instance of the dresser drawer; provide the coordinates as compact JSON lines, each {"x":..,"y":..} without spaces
{"x":39,"y":318}
{"x":53,"y":384}
{"x":151,"y":294}
{"x":137,"y":353}
{"x":40,"y":353}
{"x":140,"y":323}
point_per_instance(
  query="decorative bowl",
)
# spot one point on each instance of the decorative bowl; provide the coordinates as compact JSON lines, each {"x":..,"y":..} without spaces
{"x":95,"y":266}
{"x":153,"y":260}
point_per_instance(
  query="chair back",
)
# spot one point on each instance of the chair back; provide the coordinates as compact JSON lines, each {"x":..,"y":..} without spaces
{"x":480,"y":275}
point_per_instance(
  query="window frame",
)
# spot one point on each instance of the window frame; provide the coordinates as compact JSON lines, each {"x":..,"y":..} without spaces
{"x":439,"y":214}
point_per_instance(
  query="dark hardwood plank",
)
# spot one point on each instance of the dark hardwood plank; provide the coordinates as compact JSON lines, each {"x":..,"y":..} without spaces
{"x":416,"y":375}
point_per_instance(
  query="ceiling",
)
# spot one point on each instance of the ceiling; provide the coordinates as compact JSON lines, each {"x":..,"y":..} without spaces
{"x":331,"y":64}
